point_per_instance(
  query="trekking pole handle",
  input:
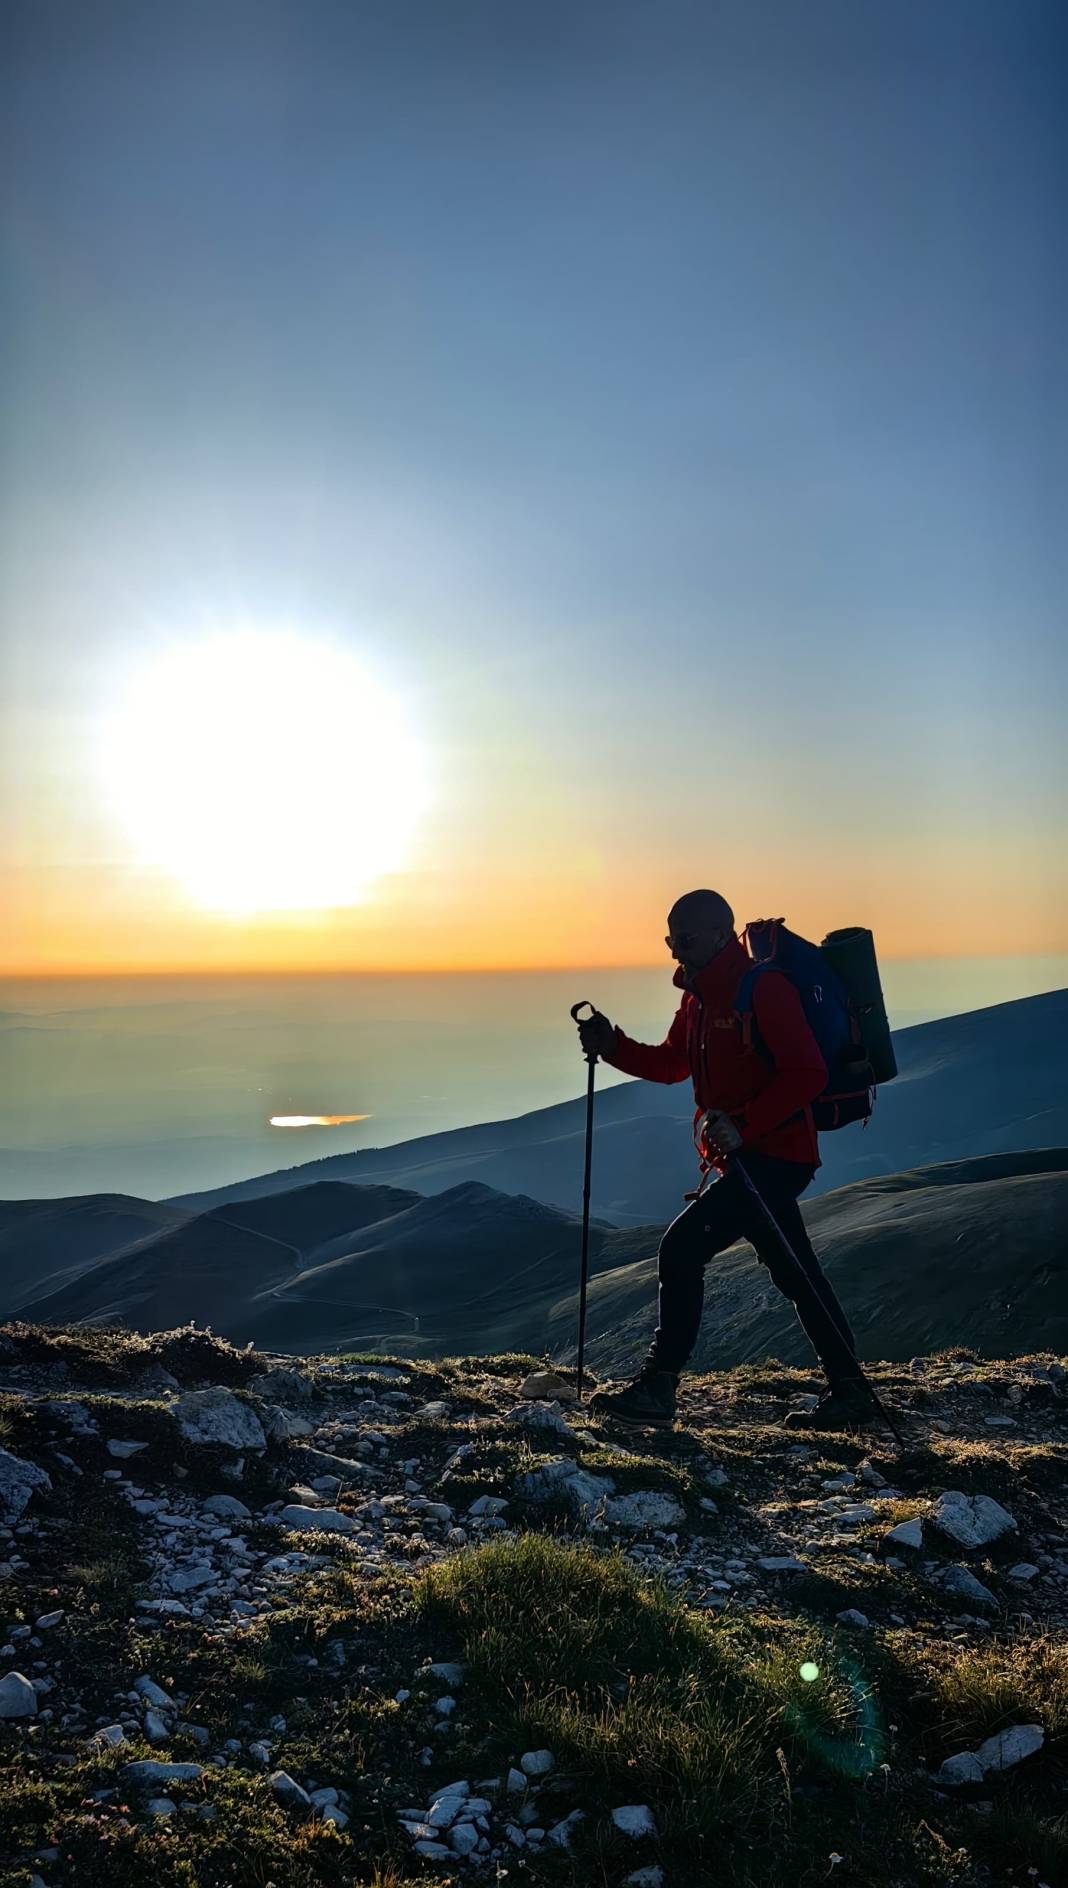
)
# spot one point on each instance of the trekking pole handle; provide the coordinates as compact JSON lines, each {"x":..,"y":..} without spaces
{"x":591,"y":1056}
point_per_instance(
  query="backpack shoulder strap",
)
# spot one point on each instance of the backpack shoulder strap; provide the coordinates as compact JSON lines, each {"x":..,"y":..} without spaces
{"x":743,"y":1002}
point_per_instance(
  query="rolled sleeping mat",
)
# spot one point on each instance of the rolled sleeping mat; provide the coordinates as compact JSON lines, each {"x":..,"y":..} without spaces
{"x":851,"y":952}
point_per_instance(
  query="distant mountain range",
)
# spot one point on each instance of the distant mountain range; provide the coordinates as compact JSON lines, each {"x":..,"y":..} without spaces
{"x":990,"y":1081}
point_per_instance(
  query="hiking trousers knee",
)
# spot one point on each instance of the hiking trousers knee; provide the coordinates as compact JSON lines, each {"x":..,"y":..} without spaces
{"x":725,"y":1212}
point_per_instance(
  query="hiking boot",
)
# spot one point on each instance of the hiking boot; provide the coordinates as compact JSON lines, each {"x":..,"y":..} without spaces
{"x":847,"y":1404}
{"x":648,"y":1402}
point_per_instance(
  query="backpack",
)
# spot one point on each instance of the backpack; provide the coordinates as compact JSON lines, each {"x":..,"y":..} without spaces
{"x":829,"y":1010}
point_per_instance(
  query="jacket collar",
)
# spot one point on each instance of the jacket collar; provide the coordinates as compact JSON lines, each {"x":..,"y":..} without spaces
{"x":718,"y":980}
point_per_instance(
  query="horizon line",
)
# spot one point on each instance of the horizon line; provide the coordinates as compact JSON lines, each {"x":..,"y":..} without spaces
{"x":460,"y":970}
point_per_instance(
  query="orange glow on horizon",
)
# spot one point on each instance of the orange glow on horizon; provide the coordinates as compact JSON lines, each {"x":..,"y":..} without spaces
{"x":533,"y":900}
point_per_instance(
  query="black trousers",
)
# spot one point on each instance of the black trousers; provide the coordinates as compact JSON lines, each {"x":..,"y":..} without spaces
{"x":725,"y":1212}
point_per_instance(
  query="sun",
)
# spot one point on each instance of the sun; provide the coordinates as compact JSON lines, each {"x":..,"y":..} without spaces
{"x":266,"y":770}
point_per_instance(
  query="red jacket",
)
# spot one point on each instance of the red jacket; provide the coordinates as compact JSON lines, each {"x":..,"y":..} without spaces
{"x":767,"y":1099}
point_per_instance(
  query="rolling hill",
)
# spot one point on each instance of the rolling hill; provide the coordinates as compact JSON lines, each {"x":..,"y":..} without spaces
{"x":962,"y":1252}
{"x":967,"y":1252}
{"x":337,"y":1264}
{"x":208,"y":1266}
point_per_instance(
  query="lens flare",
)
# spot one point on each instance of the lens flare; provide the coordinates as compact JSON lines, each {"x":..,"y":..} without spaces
{"x":841,"y":1722}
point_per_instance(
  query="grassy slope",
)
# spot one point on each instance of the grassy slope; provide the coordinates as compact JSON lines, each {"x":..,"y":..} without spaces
{"x":755,"y":1777}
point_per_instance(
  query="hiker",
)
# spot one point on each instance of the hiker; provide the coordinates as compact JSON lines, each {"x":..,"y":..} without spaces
{"x":752,"y":1096}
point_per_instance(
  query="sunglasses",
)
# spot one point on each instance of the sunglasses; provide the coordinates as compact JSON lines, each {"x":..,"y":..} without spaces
{"x":683,"y":942}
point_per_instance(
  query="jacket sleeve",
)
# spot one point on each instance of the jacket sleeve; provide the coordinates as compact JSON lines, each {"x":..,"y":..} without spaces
{"x":665,"y":1061}
{"x":800,"y":1071}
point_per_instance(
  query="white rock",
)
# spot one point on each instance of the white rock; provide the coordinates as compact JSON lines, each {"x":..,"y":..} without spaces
{"x":433,"y":1410}
{"x":634,"y":1819}
{"x":870,"y":1475}
{"x":1024,"y":1571}
{"x":537,"y":1763}
{"x":463,"y":1838}
{"x":287,"y":1791}
{"x":906,"y":1533}
{"x":652,"y":1877}
{"x":228,"y":1505}
{"x":330,"y":1520}
{"x":516,"y":1782}
{"x":217,"y":1416}
{"x":973,"y":1520}
{"x":781,"y":1563}
{"x":161,"y":1806}
{"x":282,"y":1383}
{"x":445,"y":1706}
{"x":148,"y":1770}
{"x":487,"y":1505}
{"x":1010,"y":1747}
{"x":157,"y":1727}
{"x":434,"y":1851}
{"x":963,"y":1583}
{"x":450,"y":1672}
{"x":123,"y":1450}
{"x":335,"y":1814}
{"x":18,"y":1479}
{"x":49,"y":1619}
{"x":189,"y":1579}
{"x":282,"y":1425}
{"x":583,"y":1492}
{"x":546,"y":1383}
{"x":561,"y":1832}
{"x":646,"y":1507}
{"x":443,"y":1812}
{"x":153,"y":1694}
{"x":540,"y":1418}
{"x":959,"y":1770}
{"x":110,"y":1736}
{"x":851,"y":1617}
{"x":18,"y":1698}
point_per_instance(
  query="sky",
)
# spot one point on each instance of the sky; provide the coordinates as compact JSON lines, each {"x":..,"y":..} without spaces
{"x":644,"y":422}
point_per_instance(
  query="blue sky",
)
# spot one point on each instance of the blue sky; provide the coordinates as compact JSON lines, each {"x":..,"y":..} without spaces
{"x":670,"y":397}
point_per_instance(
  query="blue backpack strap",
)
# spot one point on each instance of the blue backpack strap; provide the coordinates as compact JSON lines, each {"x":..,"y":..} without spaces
{"x":743,"y":1002}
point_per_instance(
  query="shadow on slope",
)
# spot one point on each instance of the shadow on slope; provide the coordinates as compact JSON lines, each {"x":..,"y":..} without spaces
{"x":970,"y":1252}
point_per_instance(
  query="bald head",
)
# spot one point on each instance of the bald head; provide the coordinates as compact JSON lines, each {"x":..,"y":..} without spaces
{"x":699,"y":925}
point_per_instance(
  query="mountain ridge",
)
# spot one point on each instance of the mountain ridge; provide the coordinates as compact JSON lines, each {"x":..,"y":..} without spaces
{"x":982,"y":1082}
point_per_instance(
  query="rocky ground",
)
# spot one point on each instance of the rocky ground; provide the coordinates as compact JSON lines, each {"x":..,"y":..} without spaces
{"x":368,"y":1621}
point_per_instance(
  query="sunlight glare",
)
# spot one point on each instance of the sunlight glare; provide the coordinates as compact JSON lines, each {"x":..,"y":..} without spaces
{"x":268,"y":771}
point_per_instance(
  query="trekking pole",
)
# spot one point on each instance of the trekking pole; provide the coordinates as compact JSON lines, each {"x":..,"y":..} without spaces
{"x":739,"y":1165}
{"x":591,"y":1057}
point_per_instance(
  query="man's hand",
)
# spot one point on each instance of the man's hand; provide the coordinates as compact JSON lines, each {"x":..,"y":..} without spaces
{"x":596,"y":1034}
{"x":720,"y":1134}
